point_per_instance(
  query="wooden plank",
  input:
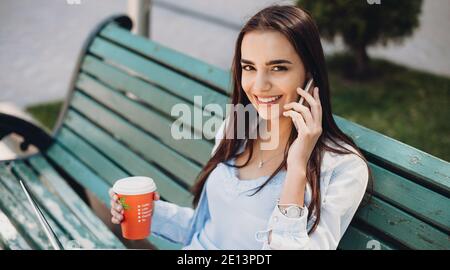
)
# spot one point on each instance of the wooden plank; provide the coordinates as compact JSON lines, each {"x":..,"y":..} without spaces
{"x":23,"y":215}
{"x":139,"y":141}
{"x":194,"y":67}
{"x":147,"y":146}
{"x":25,"y":222}
{"x":138,"y":89}
{"x":106,"y":95}
{"x":9,"y":235}
{"x":131,"y":162}
{"x":430,"y":169}
{"x":82,"y":174}
{"x":163,"y":244}
{"x":89,"y":156}
{"x":172,"y":81}
{"x":52,"y":179}
{"x":402,"y":227}
{"x":356,"y":239}
{"x":198,"y":150}
{"x":57,"y":208}
{"x":87,"y":178}
{"x":429,"y":206}
{"x":101,"y":231}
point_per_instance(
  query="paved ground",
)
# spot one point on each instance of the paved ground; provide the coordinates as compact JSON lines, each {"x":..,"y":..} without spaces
{"x":40,"y":40}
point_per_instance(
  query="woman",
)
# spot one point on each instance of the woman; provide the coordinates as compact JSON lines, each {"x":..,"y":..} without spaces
{"x":300,"y":194}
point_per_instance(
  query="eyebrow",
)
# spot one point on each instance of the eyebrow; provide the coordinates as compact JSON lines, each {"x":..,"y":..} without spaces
{"x":272,"y":62}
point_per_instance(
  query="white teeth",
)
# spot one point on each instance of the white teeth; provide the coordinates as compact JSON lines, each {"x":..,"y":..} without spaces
{"x":268,"y":100}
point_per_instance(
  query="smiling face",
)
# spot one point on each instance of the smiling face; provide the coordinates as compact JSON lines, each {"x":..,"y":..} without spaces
{"x":271,"y":72}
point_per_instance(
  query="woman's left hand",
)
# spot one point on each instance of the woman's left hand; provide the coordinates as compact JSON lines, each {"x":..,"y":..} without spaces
{"x":309,"y":128}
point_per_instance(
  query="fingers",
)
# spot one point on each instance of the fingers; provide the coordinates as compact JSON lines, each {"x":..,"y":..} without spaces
{"x":116,"y":216}
{"x":116,"y":208}
{"x":313,"y":101}
{"x":317,"y":98}
{"x":306,"y":113}
{"x":115,"y":220}
{"x":298,"y":120}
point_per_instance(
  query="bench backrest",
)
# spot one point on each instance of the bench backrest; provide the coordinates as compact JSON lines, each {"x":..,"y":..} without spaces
{"x":117,"y":122}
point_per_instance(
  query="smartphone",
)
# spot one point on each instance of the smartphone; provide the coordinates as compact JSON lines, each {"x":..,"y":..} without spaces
{"x":308,"y":89}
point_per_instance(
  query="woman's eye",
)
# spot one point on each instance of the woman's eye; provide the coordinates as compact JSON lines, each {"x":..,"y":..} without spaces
{"x":275,"y":68}
{"x":279,"y":68}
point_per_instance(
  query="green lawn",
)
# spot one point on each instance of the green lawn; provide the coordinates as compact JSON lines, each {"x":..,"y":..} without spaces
{"x":408,"y":105}
{"x":46,"y":113}
{"x":405,"y":104}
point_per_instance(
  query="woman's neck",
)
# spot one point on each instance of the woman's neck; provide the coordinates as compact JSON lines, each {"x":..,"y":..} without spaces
{"x":277,"y":133}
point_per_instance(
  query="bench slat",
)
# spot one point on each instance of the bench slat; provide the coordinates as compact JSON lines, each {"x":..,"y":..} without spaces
{"x":150,"y":121}
{"x":9,"y":236}
{"x":156,"y":97}
{"x":147,"y":146}
{"x":34,"y":232}
{"x":179,"y":61}
{"x":89,"y":156}
{"x":32,"y":228}
{"x":78,"y":171}
{"x":57,"y":208}
{"x":356,"y":239}
{"x":74,"y":202}
{"x":430,"y":169}
{"x":164,"y":244}
{"x":401,"y":226}
{"x":22,"y":216}
{"x":131,"y":162}
{"x":430,"y":206}
{"x":91,"y":181}
{"x":157,"y":74}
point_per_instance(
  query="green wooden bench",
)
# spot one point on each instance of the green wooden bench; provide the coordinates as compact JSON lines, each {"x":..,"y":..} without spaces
{"x":116,"y":122}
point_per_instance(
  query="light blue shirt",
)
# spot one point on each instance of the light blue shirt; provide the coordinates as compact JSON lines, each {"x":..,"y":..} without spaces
{"x":226,"y":218}
{"x":229,"y":198}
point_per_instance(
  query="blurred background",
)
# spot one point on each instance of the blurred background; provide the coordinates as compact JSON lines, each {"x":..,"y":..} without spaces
{"x":389,"y":63}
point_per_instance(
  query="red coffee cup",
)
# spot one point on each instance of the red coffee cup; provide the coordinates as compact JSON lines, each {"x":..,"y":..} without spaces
{"x":136,"y":195}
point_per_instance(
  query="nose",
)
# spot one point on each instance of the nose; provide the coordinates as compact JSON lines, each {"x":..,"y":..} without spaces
{"x":262,"y":82}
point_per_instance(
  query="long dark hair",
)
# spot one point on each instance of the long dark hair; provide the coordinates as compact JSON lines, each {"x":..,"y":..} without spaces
{"x":299,"y":28}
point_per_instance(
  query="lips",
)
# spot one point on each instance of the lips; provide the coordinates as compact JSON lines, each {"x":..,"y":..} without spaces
{"x":268,"y":99}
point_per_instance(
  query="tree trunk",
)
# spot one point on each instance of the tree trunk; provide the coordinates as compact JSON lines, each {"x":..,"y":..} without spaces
{"x":361,"y":61}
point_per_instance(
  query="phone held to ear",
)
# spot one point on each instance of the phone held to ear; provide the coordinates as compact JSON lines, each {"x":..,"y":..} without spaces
{"x":308,"y":89}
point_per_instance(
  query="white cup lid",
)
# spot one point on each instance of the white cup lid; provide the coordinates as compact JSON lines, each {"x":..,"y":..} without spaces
{"x":134,"y":185}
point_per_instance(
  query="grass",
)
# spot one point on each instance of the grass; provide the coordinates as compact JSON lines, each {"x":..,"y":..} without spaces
{"x":46,"y":113}
{"x":408,"y":105}
{"x":405,"y":104}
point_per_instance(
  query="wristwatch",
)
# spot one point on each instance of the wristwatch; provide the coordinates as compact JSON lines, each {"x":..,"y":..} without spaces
{"x":291,"y":211}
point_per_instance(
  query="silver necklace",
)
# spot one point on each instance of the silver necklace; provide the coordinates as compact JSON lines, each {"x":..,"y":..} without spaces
{"x":262,"y":162}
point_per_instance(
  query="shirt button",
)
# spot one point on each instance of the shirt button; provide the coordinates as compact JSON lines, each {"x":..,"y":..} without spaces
{"x":275,"y":219}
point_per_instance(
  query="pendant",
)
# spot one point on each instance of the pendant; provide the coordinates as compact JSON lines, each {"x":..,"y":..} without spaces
{"x":260,"y":164}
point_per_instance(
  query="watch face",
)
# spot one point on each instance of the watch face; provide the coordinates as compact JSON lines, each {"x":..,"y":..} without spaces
{"x":293,"y":211}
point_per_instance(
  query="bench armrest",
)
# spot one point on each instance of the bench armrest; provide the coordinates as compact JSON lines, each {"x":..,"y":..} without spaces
{"x":32,"y":134}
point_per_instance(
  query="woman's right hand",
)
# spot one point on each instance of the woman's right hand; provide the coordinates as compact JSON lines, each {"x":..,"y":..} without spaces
{"x":117,"y":209}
